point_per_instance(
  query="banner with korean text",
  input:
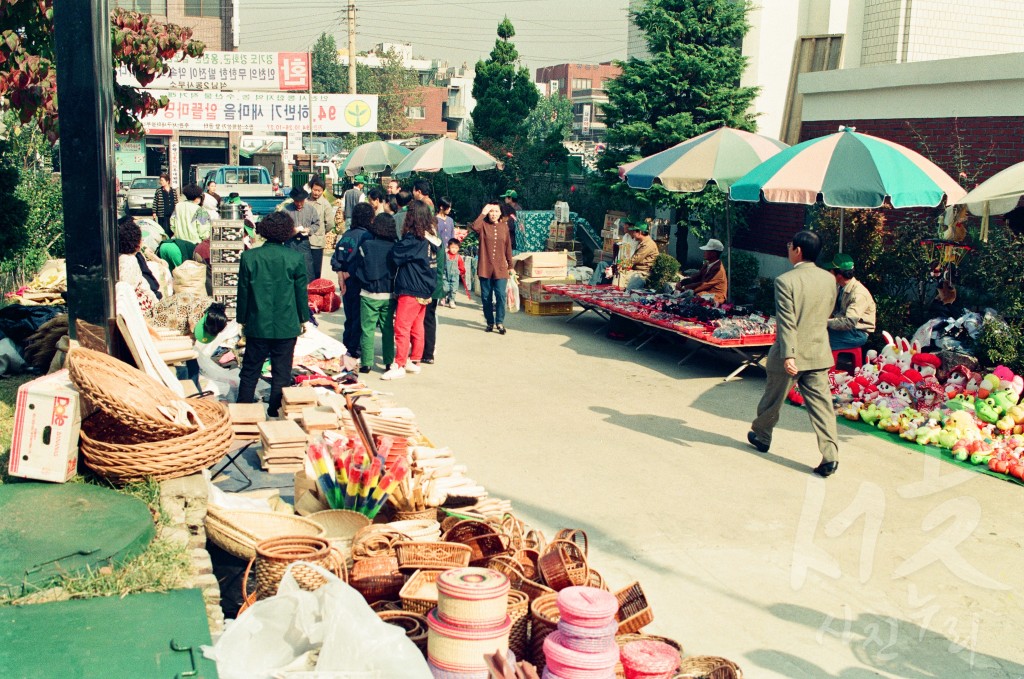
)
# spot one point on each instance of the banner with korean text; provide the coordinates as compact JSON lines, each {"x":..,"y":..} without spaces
{"x":287,"y":71}
{"x":220,"y":111}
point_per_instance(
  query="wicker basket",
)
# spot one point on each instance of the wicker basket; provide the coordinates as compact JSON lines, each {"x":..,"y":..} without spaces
{"x":377,"y":578}
{"x":431,"y":555}
{"x":418,"y":530}
{"x":563,"y":564}
{"x":428,"y":514}
{"x":376,"y":540}
{"x":623,"y":639}
{"x":480,"y":538}
{"x":161,"y":460}
{"x":708,"y":667}
{"x":544,"y":618}
{"x":414,"y":624}
{"x":127,"y":394}
{"x":514,"y":571}
{"x":238,"y":532}
{"x":274,"y":556}
{"x":527,"y":559}
{"x":340,"y":523}
{"x":519,"y":613}
{"x":577,"y":536}
{"x":419,"y":594}
{"x":634,"y":612}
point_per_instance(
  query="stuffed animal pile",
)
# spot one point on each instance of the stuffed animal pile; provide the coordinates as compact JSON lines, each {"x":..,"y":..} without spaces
{"x":975,"y":417}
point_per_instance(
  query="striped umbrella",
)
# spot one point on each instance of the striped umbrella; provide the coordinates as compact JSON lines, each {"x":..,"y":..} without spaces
{"x":448,"y":155}
{"x":721,"y":156}
{"x":848,"y":169}
{"x":374,"y":157}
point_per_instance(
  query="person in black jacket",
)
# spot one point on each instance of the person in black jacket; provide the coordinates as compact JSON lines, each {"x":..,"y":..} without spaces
{"x":414,"y":262}
{"x":164,"y":201}
{"x":348,"y":284}
{"x":377,"y":308}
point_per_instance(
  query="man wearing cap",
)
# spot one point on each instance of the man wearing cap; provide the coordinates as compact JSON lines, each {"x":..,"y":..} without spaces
{"x":353,"y":197}
{"x":710,"y":279}
{"x":325,"y":211}
{"x":307,"y":223}
{"x":854,"y":315}
{"x":511,"y":199}
{"x":633,"y":270}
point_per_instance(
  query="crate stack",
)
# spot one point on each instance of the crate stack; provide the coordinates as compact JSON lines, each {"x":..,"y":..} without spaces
{"x":245,"y":419}
{"x":611,"y":233}
{"x":537,"y":269}
{"x":561,"y":234}
{"x":226,"y":249}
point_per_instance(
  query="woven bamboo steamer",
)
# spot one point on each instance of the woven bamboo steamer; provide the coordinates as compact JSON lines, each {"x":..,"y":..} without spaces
{"x":414,"y":624}
{"x":160,"y":460}
{"x":131,"y":396}
{"x":238,"y":531}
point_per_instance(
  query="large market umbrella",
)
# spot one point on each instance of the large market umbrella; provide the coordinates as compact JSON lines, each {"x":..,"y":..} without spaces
{"x":448,"y":155}
{"x":848,"y":169}
{"x":997,"y":195}
{"x":721,"y":156}
{"x":374,"y":157}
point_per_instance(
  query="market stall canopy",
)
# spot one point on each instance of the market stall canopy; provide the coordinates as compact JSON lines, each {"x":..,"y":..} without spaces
{"x":447,"y":155}
{"x":1002,"y":191}
{"x":721,"y":156}
{"x":623,"y":169}
{"x":374,"y":157}
{"x":848,"y":169}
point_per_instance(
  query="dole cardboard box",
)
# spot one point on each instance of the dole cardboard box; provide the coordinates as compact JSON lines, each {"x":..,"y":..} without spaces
{"x":537,"y":293}
{"x":47,"y":420}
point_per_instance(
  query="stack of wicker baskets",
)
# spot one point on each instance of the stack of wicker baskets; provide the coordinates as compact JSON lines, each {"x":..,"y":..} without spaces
{"x":141,"y":428}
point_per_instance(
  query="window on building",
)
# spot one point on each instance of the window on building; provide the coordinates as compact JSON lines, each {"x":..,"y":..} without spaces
{"x":202,"y":8}
{"x":581,"y":84}
{"x":143,"y":6}
{"x":415,"y":112}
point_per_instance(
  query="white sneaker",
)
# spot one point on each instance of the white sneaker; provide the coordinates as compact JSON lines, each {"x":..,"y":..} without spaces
{"x":394,"y":373}
{"x":452,"y":303}
{"x":413,"y":368}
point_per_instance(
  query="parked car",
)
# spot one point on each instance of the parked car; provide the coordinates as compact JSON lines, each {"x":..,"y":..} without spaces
{"x":139,"y":198}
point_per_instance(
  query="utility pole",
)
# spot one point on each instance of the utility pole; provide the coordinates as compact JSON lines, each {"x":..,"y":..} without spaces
{"x":351,"y":46}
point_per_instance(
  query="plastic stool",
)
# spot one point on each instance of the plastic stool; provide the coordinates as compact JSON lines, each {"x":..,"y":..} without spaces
{"x":856,"y":355}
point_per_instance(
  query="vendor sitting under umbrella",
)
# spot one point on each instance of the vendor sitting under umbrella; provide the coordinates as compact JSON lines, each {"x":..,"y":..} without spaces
{"x":632,"y":271}
{"x":711,"y":278}
{"x":854,"y":315}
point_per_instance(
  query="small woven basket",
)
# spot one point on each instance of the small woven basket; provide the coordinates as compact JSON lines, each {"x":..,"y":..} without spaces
{"x":708,"y":667}
{"x":634,"y":612}
{"x":127,"y":394}
{"x":340,"y":526}
{"x":238,"y":532}
{"x":377,"y":578}
{"x":274,"y":556}
{"x":428,"y":514}
{"x":576,"y":536}
{"x":519,"y":613}
{"x":514,"y":571}
{"x":544,"y":618}
{"x":623,"y":639}
{"x":414,"y":624}
{"x":419,"y":593}
{"x":564,"y":564}
{"x":170,"y":458}
{"x":418,"y":530}
{"x":431,"y":555}
{"x":376,"y":540}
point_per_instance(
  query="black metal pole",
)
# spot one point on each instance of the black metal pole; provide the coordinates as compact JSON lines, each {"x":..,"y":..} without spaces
{"x":85,"y":83}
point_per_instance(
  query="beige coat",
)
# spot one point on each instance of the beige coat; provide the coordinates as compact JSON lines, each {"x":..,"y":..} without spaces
{"x":804,"y":299}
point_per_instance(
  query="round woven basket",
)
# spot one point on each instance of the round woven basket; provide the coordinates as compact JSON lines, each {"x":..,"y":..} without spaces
{"x":419,"y":530}
{"x":340,"y":523}
{"x":238,"y":532}
{"x":519,"y":613}
{"x":564,"y":564}
{"x":376,"y":540}
{"x":274,"y":556}
{"x":414,"y":624}
{"x":544,"y":618}
{"x":377,"y":578}
{"x":130,"y":396}
{"x":428,"y":514}
{"x":161,"y":460}
{"x":708,"y":667}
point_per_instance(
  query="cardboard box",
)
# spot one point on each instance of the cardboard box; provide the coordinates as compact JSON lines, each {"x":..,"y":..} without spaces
{"x":47,"y":421}
{"x":533,"y":289}
{"x":542,"y":265}
{"x":224,"y":230}
{"x":561,"y":231}
{"x":612,"y":222}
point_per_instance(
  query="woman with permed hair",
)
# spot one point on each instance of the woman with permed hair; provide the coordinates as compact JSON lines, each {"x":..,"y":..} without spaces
{"x":131,"y":264}
{"x":272,"y":308}
{"x":414,"y":263}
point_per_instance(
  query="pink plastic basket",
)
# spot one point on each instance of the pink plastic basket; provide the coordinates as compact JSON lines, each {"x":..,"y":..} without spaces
{"x":587,"y":606}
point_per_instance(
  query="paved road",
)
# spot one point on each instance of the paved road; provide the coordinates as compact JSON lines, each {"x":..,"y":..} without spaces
{"x":898,"y":566}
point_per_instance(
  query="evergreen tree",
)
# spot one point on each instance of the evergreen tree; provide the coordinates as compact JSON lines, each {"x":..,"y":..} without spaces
{"x":327,"y":73}
{"x":504,"y":92}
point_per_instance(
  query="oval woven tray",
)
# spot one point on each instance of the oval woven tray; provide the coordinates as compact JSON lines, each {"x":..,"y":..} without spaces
{"x":160,"y":460}
{"x":129,"y":395}
{"x":238,"y":532}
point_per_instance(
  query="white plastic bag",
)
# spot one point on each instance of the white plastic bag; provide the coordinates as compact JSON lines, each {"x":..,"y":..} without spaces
{"x":280,"y":635}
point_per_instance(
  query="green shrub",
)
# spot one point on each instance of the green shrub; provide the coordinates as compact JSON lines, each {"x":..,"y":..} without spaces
{"x":999,"y":343}
{"x":743,"y":280}
{"x":663,"y":272}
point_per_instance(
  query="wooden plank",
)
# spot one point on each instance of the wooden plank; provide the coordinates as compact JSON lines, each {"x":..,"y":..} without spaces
{"x":282,"y":431}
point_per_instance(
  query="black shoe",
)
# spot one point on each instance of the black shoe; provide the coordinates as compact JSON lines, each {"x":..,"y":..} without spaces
{"x":428,"y":361}
{"x":752,"y":440}
{"x":501,"y":330}
{"x":364,"y":369}
{"x":489,"y":328}
{"x":826,"y":469}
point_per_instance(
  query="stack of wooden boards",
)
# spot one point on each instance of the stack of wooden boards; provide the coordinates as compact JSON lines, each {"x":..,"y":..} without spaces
{"x":296,"y":399}
{"x":245,"y":419}
{"x":282,"y":446}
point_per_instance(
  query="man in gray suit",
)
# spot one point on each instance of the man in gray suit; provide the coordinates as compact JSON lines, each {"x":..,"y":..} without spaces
{"x":804,"y":299}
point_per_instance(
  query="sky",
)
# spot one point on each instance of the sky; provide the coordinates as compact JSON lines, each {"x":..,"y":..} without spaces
{"x":547,"y":31}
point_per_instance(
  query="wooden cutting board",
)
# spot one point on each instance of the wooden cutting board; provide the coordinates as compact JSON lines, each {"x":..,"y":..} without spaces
{"x":294,"y":395}
{"x":247,"y":413}
{"x":276,"y":432}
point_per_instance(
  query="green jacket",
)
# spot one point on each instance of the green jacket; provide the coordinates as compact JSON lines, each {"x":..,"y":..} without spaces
{"x":272,"y":299}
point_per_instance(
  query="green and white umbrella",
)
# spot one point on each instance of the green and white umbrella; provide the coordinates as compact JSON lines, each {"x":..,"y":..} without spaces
{"x":373,"y":157}
{"x":848,"y":169}
{"x":446,"y":155}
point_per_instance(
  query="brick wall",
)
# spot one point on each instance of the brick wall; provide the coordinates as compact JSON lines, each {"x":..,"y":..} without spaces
{"x":432,"y":100}
{"x":987,"y":145}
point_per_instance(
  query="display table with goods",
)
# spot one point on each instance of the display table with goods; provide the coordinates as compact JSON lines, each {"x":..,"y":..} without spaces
{"x":704,"y":324}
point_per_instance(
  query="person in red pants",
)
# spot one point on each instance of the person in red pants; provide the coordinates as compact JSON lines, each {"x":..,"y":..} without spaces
{"x":414,"y":261}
